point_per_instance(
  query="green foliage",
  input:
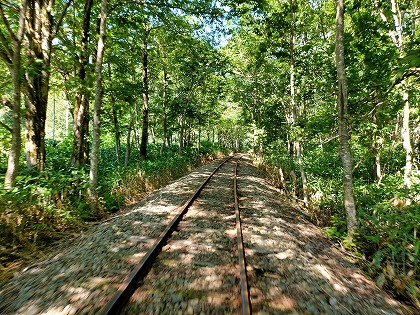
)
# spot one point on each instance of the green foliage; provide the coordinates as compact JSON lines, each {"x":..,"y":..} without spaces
{"x":338,"y":230}
{"x":390,"y":240}
{"x":44,"y":204}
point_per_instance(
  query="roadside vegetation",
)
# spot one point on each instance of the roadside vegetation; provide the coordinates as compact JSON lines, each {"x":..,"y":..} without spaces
{"x":53,"y":205}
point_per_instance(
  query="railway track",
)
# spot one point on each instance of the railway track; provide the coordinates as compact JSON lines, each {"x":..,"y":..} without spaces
{"x":141,"y":292}
{"x":291,"y":268}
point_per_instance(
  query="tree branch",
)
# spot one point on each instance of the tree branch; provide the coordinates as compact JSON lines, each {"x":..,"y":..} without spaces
{"x":7,"y":102}
{"x":5,"y":57}
{"x":6,"y":23}
{"x":328,"y":140}
{"x":61,"y":18}
{"x":358,"y":164}
{"x":6,"y":45}
{"x":6,"y":127}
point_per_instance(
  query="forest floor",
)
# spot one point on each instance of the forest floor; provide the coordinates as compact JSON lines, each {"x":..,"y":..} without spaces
{"x":292,"y":267}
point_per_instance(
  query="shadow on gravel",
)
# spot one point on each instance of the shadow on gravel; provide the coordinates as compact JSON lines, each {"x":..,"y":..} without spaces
{"x":83,"y":273}
{"x":196,"y":272}
{"x":292,"y":267}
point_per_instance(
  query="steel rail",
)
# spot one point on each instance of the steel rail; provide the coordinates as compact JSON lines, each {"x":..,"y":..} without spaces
{"x":128,"y":287}
{"x":246,"y":303}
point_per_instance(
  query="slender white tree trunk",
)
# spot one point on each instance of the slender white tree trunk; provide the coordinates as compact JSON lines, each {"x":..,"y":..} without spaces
{"x":293,"y":112}
{"x":405,"y":135}
{"x":346,"y":157}
{"x":13,"y":160}
{"x":94,"y":156}
{"x":398,"y":39}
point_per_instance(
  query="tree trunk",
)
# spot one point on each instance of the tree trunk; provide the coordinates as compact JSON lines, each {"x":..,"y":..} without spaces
{"x":346,"y":157}
{"x":116,"y":130}
{"x":128,"y":145}
{"x":39,"y":37}
{"x":181,"y":135}
{"x":145,"y":111}
{"x":81,"y":108}
{"x":35,"y":116}
{"x":397,"y":37}
{"x":405,"y":135}
{"x":164,"y":122}
{"x":377,"y":141}
{"x":199,"y":138}
{"x":405,"y":131}
{"x":94,"y":156}
{"x":294,"y":145}
{"x":13,"y":159}
{"x":302,"y":173}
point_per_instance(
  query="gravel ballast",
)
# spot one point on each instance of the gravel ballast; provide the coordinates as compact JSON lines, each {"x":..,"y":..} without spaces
{"x":292,"y":268}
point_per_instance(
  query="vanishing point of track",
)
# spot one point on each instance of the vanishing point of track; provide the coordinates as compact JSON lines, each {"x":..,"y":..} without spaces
{"x":127,"y":288}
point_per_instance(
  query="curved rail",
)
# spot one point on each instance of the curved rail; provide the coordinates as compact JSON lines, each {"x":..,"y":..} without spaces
{"x":127,"y":288}
{"x":246,"y":304}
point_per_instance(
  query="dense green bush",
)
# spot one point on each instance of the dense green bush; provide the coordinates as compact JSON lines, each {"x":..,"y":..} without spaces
{"x":388,"y":237}
{"x":45,"y":204}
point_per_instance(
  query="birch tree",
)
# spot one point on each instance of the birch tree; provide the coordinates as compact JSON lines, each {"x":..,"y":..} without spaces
{"x":345,"y":149}
{"x":395,"y":18}
{"x":94,"y":156}
{"x":12,"y":57}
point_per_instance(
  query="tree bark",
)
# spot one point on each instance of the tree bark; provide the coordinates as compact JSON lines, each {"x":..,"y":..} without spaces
{"x":181,"y":135}
{"x":39,"y":35}
{"x":405,"y":135}
{"x":164,"y":98}
{"x":377,"y":141}
{"x":294,"y":145}
{"x":116,"y":130}
{"x":81,"y":108}
{"x":128,"y":143}
{"x":302,"y":173}
{"x":346,"y":157}
{"x":94,"y":156}
{"x":145,"y":110}
{"x":13,"y":159}
{"x":405,"y":131}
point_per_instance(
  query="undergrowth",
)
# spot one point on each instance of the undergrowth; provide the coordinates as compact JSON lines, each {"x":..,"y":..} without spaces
{"x":46,"y":206}
{"x":388,"y":241}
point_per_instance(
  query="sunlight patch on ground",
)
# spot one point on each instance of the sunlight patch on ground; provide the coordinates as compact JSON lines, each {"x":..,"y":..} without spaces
{"x":178,"y":245}
{"x":135,"y":259}
{"x":78,"y":293}
{"x":209,"y":281}
{"x":115,"y":249}
{"x":133,"y":239}
{"x":98,"y":282}
{"x":30,"y":309}
{"x":68,"y":310}
{"x":340,"y":288}
{"x":170,"y":262}
{"x":320,"y":269}
{"x":231,"y":232}
{"x":288,"y":253}
{"x":323,"y":271}
{"x":282,"y":303}
{"x":156,"y":208}
{"x":217,"y":299}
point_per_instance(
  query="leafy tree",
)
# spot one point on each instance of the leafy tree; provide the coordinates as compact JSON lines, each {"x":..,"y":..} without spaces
{"x":11,"y":55}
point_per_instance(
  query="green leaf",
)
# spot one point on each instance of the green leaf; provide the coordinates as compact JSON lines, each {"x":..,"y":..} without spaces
{"x":393,"y":234}
{"x":415,"y":62}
